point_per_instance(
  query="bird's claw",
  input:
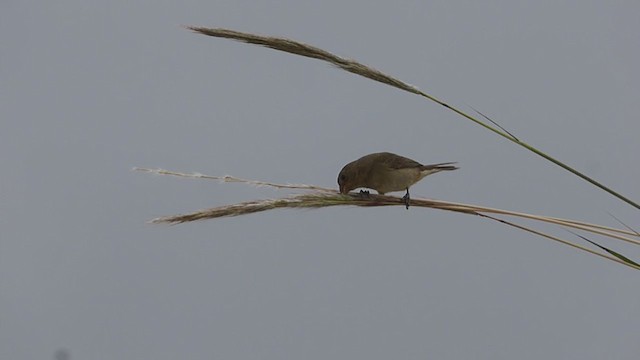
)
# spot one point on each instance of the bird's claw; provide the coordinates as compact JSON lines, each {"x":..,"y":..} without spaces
{"x":406,"y":199}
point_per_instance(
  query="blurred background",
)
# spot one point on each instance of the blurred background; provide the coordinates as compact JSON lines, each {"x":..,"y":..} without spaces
{"x":91,"y":89}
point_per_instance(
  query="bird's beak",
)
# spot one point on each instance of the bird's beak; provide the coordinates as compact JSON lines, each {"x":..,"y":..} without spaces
{"x":342,"y":189}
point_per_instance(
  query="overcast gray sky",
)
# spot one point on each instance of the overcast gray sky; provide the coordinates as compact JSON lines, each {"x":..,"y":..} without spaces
{"x":90,"y":89}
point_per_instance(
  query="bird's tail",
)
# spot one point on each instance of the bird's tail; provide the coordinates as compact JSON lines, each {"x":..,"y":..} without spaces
{"x":439,"y":167}
{"x":434,"y":168}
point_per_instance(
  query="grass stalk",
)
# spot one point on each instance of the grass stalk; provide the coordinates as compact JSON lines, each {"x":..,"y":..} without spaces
{"x":319,"y":197}
{"x":302,"y":49}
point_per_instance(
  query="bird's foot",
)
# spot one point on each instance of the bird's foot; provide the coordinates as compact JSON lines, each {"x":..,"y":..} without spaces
{"x":365,"y":194}
{"x":406,"y":199}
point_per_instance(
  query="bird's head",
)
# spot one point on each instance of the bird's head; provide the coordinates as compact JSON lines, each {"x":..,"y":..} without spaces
{"x":348,"y":178}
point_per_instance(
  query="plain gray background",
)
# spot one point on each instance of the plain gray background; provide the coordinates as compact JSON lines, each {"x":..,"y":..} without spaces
{"x":91,"y":89}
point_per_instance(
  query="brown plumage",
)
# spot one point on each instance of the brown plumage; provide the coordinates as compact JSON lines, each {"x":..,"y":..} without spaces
{"x":386,"y":172}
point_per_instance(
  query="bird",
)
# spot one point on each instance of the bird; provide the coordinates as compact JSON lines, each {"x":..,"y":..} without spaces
{"x":386,"y":172}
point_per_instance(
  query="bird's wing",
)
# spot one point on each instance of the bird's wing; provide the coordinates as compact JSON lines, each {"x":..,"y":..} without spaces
{"x":401,"y":162}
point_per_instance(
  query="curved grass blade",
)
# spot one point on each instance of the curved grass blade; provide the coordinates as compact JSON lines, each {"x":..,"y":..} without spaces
{"x":625,"y":225}
{"x":302,"y":49}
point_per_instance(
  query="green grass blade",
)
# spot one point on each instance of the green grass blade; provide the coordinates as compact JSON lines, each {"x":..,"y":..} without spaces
{"x":614,"y":253}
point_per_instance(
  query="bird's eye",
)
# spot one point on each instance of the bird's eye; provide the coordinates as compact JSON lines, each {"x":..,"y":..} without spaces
{"x":342,"y":177}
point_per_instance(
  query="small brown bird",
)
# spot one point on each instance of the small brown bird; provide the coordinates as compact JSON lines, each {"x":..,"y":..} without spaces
{"x":386,"y":172}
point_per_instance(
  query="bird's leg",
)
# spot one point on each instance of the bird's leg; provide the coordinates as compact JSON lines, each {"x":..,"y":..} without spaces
{"x":365,"y":194}
{"x":406,"y":199}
